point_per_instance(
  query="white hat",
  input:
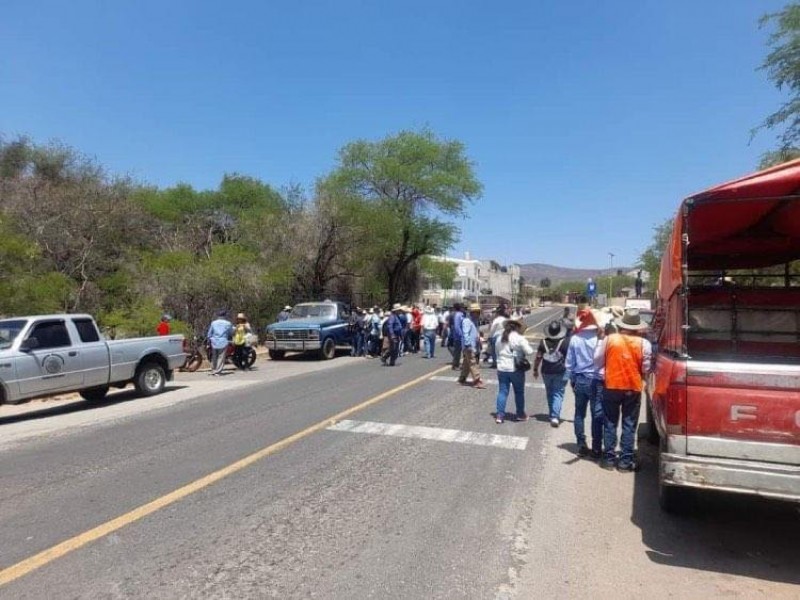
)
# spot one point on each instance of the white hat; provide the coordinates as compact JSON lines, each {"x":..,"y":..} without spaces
{"x":287,"y":308}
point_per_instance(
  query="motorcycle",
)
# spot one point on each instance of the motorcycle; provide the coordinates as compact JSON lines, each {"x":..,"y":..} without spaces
{"x":248,"y":355}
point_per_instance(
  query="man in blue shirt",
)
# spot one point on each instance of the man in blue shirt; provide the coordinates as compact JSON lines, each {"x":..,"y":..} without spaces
{"x":393,"y":331}
{"x":456,"y":320}
{"x":219,"y":334}
{"x":470,"y":348}
{"x":587,"y":382}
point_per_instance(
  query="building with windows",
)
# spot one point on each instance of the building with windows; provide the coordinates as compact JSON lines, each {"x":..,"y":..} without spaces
{"x":473,"y":279}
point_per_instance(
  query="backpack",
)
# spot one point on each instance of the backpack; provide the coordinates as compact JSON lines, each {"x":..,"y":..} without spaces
{"x":555,"y":355}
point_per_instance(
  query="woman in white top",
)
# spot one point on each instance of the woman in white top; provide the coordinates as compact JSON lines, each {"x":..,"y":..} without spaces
{"x":511,"y":345}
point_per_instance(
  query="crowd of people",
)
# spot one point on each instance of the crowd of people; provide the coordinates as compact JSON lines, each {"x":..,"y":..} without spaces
{"x":601,"y":354}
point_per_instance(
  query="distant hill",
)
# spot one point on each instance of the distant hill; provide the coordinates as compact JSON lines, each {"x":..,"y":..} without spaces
{"x":535,"y":272}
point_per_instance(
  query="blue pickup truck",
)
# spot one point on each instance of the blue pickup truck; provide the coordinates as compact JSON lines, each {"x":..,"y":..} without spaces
{"x":318,"y":327}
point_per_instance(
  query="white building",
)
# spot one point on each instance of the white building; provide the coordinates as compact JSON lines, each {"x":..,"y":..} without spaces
{"x":474,"y":278}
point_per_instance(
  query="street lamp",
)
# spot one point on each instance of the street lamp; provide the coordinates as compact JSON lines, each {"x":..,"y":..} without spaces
{"x":610,"y":277}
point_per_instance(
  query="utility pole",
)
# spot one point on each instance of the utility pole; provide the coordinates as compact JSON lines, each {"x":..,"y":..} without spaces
{"x":610,"y":277}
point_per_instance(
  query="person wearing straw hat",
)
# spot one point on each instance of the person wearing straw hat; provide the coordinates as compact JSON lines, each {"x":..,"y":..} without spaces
{"x":392,"y":332}
{"x":241,"y":332}
{"x":510,"y":346}
{"x":626,"y":358}
{"x":470,"y":348}
{"x":551,"y":357}
{"x":285,"y":313}
{"x":586,"y":380}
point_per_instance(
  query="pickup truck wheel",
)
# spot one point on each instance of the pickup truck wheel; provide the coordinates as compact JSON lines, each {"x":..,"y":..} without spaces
{"x":95,"y":394}
{"x":150,"y":379}
{"x":328,"y":350}
{"x":277,"y":354}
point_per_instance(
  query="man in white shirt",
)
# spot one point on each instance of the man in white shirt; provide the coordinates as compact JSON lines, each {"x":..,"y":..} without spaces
{"x":495,"y":331}
{"x":430,"y":323}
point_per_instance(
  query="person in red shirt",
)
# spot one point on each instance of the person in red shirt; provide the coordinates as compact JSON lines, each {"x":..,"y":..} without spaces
{"x":416,"y":328}
{"x":163,"y":327}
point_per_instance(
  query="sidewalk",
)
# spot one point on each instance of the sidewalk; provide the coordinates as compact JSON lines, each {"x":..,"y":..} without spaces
{"x":591,"y":533}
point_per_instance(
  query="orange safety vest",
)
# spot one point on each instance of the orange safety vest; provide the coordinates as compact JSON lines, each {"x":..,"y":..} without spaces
{"x":624,"y":362}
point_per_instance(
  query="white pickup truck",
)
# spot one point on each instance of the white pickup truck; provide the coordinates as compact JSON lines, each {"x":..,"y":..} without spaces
{"x":53,"y":354}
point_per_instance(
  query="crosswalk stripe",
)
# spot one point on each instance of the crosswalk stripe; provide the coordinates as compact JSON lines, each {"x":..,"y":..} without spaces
{"x":489,"y":381}
{"x":508,"y":442}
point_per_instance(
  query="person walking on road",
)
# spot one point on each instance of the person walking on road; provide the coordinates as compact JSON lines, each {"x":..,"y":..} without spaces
{"x":495,"y":331}
{"x":455,"y":328}
{"x":430,"y":323}
{"x":551,"y":356}
{"x":626,"y":358}
{"x":586,"y":382}
{"x":511,"y":345}
{"x":470,"y":348}
{"x":219,"y":335}
{"x":392,"y":334}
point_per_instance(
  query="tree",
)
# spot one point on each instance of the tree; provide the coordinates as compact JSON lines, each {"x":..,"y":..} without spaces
{"x":545,"y":283}
{"x":782,"y":65}
{"x":650,"y":258}
{"x":413,"y":179}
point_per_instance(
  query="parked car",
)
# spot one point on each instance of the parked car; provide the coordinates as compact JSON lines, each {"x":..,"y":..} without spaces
{"x":53,"y":354}
{"x":318,"y":327}
{"x":726,"y":398}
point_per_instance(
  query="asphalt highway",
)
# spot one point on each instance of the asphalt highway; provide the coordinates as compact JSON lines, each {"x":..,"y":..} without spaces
{"x":345,"y":479}
{"x":330,"y":513}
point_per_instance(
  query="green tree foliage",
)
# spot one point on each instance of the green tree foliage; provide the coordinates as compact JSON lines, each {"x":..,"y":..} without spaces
{"x":413,"y":179}
{"x":782,"y":65}
{"x":650,"y":258}
{"x":544,"y":283}
{"x":439,"y":272}
{"x":73,"y":238}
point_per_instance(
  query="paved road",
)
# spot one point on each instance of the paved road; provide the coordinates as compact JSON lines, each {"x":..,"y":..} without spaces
{"x":416,"y":495}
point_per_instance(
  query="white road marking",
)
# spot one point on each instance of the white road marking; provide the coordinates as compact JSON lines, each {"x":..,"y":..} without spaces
{"x":508,"y":442}
{"x":491,"y":381}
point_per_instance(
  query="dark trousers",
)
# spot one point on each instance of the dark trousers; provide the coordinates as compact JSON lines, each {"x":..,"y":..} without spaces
{"x":391,"y":348}
{"x":620,"y":405}
{"x":456,"y":350}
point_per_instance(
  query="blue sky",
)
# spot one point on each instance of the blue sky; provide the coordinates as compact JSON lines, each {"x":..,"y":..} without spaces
{"x":588,"y":121}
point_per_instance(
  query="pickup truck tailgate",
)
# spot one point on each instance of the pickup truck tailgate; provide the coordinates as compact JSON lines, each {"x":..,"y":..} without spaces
{"x":743,"y":410}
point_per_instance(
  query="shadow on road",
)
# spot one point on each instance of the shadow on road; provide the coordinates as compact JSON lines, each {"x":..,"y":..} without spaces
{"x":117,"y":397}
{"x":727,"y":533}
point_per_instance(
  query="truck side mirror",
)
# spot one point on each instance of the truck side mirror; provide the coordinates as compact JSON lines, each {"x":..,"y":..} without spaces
{"x":30,"y":344}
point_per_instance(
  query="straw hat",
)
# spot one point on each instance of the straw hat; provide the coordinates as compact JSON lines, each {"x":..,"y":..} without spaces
{"x":474,"y":308}
{"x":631,"y":321}
{"x":241,"y":316}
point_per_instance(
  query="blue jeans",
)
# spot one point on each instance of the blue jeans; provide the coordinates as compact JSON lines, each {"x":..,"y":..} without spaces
{"x":589,"y":393}
{"x":554,"y":384}
{"x":430,"y":342}
{"x":628,"y":404}
{"x":507,"y":380}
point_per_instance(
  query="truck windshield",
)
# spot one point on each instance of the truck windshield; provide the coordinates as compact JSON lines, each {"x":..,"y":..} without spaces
{"x":9,"y":330}
{"x":313,"y":310}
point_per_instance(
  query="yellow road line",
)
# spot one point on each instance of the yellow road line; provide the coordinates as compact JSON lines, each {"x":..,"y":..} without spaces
{"x":45,"y":557}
